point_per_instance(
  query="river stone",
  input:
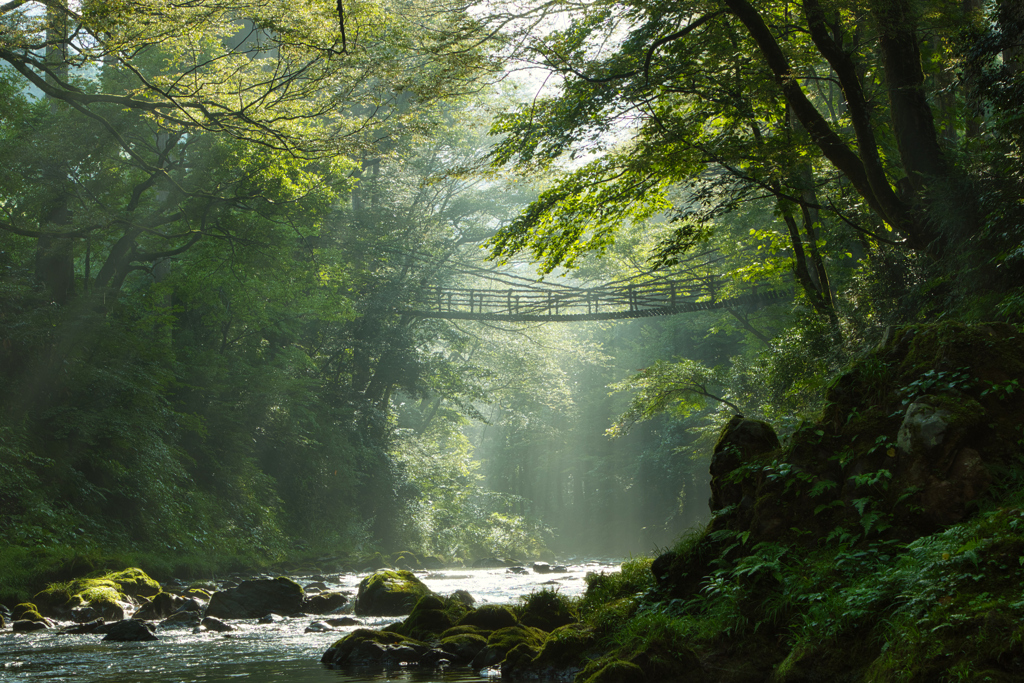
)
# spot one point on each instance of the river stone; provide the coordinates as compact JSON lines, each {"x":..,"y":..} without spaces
{"x":162,"y":606}
{"x":271,"y":619}
{"x":253,"y":599}
{"x":215,"y":624}
{"x":87,"y":614}
{"x":28,"y":626}
{"x":130,"y":630}
{"x":182,"y":619}
{"x":318,"y":627}
{"x":389,"y":593}
{"x":324,"y":603}
{"x":95,"y":626}
{"x":344,"y":621}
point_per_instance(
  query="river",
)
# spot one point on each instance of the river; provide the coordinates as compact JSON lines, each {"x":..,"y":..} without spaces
{"x":256,"y":653}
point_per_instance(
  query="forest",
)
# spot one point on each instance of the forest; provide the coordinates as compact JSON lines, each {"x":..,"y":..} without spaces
{"x":222,"y":223}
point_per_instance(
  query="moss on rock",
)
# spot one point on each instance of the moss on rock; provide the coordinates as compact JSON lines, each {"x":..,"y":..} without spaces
{"x":463,"y":646}
{"x":490,"y":617}
{"x":504,"y":640}
{"x":389,"y":593}
{"x":110,"y":593}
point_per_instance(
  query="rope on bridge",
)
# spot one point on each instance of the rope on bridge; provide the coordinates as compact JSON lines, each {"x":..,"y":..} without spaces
{"x":533,"y":306}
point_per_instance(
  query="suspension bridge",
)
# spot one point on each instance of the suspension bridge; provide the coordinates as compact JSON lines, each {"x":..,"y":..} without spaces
{"x":609,"y":302}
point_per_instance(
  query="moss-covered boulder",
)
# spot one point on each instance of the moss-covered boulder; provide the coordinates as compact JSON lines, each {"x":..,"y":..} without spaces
{"x":490,"y":617}
{"x":112,"y":595}
{"x":253,"y":599}
{"x":389,"y":593}
{"x":432,"y":616}
{"x":27,"y":618}
{"x":504,"y":640}
{"x":26,"y":610}
{"x":365,"y":647}
{"x":134,"y":582}
{"x":464,"y":646}
{"x":406,"y":560}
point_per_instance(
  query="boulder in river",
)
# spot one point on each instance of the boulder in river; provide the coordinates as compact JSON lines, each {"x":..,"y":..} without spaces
{"x":324,"y":603}
{"x":28,"y":626}
{"x":182,"y":619}
{"x":253,"y":599}
{"x":215,"y":624}
{"x":130,"y":630}
{"x":389,"y":593}
{"x":318,"y":627}
{"x":364,"y":647}
{"x":161,"y":606}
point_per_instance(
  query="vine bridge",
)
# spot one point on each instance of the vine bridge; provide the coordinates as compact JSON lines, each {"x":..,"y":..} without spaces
{"x":608,"y":302}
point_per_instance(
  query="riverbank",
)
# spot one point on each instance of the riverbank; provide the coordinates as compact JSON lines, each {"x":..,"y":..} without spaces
{"x":882,"y":542}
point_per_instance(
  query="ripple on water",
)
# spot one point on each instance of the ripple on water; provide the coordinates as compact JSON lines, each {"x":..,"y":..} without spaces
{"x":254,"y":653}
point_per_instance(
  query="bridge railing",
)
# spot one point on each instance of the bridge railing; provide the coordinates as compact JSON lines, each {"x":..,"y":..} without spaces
{"x":523,"y":301}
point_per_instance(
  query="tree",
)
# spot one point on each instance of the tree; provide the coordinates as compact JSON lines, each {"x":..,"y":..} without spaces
{"x":167,"y":120}
{"x":735,"y":98}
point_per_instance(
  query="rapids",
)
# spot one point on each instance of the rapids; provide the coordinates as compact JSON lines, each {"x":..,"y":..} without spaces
{"x":257,"y":653}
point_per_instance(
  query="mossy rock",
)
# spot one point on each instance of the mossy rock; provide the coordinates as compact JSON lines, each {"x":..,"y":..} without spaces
{"x":463,"y":646}
{"x":490,"y":617}
{"x":354,"y":647}
{"x":504,"y":640}
{"x":432,"y":616}
{"x":465,"y":629}
{"x":389,"y":593}
{"x":518,"y":659}
{"x":112,"y":594}
{"x":406,"y":560}
{"x":134,"y":582}
{"x":567,"y":647}
{"x":615,"y":671}
{"x":383,"y":636}
{"x":426,"y":624}
{"x":26,"y":611}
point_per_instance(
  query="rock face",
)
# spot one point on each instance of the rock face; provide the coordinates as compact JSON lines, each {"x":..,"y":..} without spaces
{"x":253,"y":599}
{"x":389,"y":593}
{"x":741,"y":441}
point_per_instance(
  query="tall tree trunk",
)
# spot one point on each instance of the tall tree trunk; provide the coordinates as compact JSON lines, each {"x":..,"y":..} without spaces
{"x":912,"y":118}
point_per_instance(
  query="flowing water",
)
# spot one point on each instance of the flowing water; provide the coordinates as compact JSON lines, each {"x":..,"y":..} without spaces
{"x":257,"y":653}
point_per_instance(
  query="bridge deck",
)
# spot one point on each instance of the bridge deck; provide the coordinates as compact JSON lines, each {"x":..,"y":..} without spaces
{"x":524,"y":305}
